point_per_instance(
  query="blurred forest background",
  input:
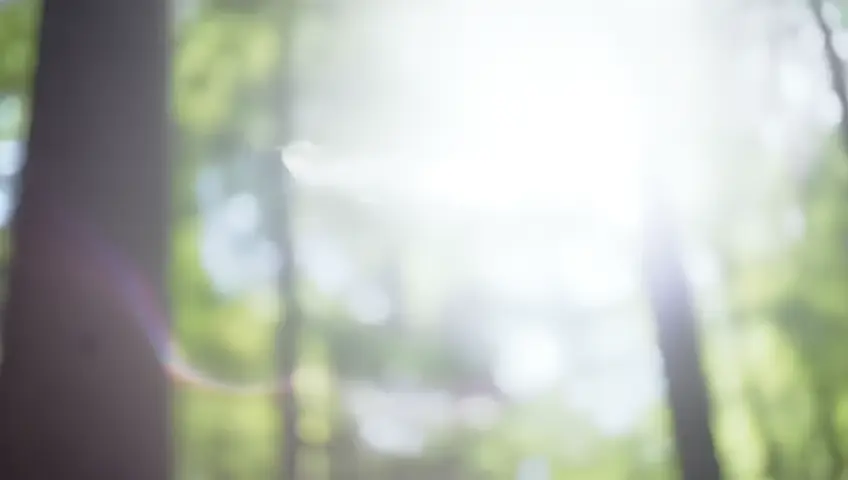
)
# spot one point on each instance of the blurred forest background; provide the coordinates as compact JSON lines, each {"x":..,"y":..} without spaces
{"x":451,"y":346}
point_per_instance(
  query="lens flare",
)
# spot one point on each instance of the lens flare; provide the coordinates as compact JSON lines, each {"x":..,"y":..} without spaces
{"x":116,"y":277}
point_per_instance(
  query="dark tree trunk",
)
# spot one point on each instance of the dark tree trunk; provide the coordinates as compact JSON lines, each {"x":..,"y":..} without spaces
{"x":835,"y":66}
{"x":678,"y":340}
{"x":82,"y":394}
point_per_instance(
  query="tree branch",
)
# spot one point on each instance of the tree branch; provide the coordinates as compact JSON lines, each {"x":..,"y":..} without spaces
{"x":835,"y":66}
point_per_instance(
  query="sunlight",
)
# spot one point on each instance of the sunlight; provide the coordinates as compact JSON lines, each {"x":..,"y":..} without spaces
{"x":530,"y":362}
{"x":546,"y":131}
{"x":11,"y":157}
{"x":515,"y":159}
{"x":533,"y":118}
{"x":534,"y":469}
{"x":537,"y":119}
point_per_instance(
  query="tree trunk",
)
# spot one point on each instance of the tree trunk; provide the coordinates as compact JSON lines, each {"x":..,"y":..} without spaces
{"x":82,"y":394}
{"x":679,"y":343}
{"x":835,"y":66}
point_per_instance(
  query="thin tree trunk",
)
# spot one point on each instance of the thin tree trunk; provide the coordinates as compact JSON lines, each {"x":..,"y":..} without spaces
{"x":836,"y":67}
{"x":289,"y":335}
{"x":678,"y":339}
{"x":278,"y":208}
{"x":344,"y":452}
{"x":82,"y":394}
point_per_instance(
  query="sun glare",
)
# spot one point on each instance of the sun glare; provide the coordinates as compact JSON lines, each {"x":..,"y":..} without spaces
{"x":535,"y":117}
{"x":536,"y":114}
{"x":530,"y":362}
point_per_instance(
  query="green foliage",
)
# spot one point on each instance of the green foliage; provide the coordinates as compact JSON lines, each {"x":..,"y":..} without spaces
{"x":18,"y":45}
{"x":220,"y":436}
{"x":783,"y":416}
{"x":223,"y":61}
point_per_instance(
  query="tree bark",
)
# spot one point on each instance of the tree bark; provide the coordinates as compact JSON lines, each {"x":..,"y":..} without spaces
{"x":82,"y":394}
